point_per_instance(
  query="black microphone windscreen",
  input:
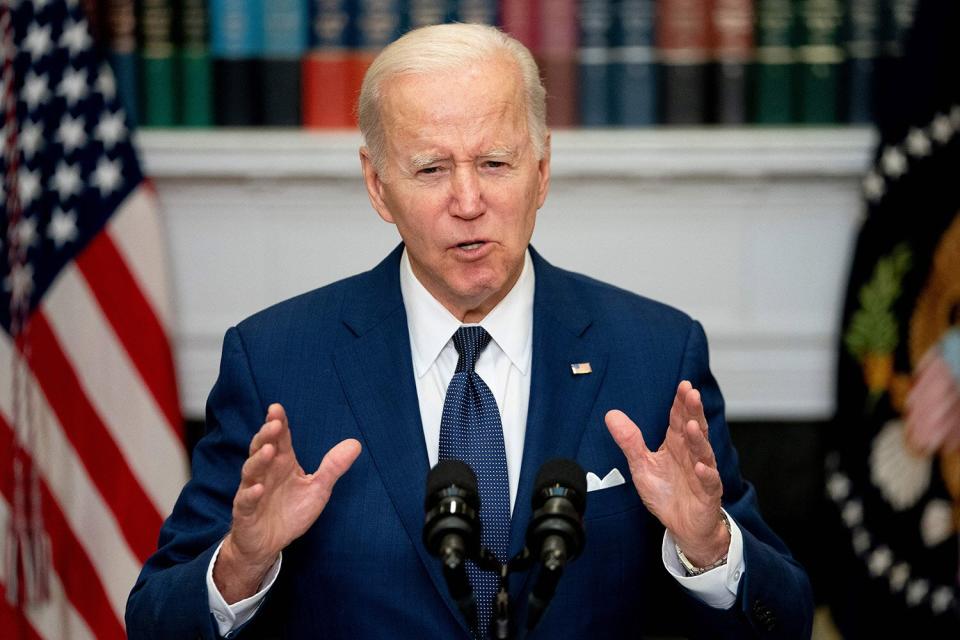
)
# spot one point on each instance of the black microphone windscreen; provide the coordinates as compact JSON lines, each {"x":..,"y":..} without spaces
{"x":563,"y":472}
{"x":451,"y":472}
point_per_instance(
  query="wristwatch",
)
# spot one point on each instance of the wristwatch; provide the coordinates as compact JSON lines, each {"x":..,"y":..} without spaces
{"x":693,"y":570}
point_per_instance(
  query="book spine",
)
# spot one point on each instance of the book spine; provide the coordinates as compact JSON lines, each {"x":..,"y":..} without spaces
{"x":862,"y":43}
{"x":475,"y":11}
{"x":285,"y":31}
{"x":774,"y":72}
{"x":594,"y":63}
{"x":121,"y":22}
{"x":520,"y":19}
{"x":195,"y":65}
{"x":558,"y":59}
{"x":158,"y":84}
{"x":821,"y":61}
{"x":633,"y":70}
{"x":732,"y":22}
{"x":328,"y":75}
{"x":94,"y":11}
{"x":422,"y":13}
{"x":683,"y":43}
{"x":236,"y":41}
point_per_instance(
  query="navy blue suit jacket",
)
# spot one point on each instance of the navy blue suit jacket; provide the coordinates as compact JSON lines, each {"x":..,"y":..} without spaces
{"x":339,"y":361}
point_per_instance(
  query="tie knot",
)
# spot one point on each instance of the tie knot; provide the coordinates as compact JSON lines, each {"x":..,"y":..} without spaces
{"x":469,"y":342}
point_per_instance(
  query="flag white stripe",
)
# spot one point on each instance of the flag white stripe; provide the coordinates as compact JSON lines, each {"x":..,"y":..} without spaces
{"x":114,"y":387}
{"x":137,"y":232}
{"x":92,"y":523}
{"x":56,"y":619}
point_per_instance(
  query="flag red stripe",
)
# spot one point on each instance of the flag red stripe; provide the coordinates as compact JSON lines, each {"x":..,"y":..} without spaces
{"x":136,"y":516}
{"x":133,"y":320}
{"x":14,"y":622}
{"x":77,"y":574}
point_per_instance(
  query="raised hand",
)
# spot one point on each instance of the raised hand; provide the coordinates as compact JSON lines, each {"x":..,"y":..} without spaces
{"x":679,"y":483}
{"x":275,"y":504}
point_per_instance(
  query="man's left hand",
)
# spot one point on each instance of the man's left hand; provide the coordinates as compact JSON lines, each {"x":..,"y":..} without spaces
{"x":679,"y":483}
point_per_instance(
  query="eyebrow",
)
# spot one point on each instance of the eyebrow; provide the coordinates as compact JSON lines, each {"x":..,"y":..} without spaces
{"x":421,"y":160}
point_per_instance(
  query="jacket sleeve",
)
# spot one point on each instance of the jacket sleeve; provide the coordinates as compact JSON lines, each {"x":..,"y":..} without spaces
{"x":169,"y":599}
{"x":774,"y":598}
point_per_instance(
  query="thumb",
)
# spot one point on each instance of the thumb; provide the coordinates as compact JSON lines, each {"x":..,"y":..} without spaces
{"x":336,"y":463}
{"x":627,"y":435}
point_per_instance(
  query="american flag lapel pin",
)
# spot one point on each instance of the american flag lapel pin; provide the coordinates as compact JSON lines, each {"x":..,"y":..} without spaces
{"x":580,"y":368}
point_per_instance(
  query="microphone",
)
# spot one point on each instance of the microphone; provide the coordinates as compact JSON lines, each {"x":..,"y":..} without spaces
{"x":451,"y":530}
{"x":556,"y":533}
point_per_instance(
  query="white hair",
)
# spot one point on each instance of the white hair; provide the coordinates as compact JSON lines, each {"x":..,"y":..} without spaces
{"x":445,"y":47}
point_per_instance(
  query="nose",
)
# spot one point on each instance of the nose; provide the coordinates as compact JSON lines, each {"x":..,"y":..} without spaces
{"x":467,"y":198}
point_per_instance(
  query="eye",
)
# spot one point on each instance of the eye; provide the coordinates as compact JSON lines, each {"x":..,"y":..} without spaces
{"x":494,"y":164}
{"x":429,"y":171}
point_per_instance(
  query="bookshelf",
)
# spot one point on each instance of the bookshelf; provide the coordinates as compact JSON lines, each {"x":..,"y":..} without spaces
{"x":749,"y":230}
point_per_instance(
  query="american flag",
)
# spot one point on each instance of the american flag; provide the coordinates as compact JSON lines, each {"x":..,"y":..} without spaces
{"x":91,"y":444}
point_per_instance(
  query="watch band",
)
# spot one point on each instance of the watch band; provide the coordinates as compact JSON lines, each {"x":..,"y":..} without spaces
{"x":692,"y":569}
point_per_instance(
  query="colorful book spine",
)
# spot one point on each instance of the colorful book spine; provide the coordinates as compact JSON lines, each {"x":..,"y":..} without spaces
{"x":520,"y":19}
{"x":732,"y":22}
{"x":236,"y":42}
{"x":862,"y":40}
{"x":633,"y":69}
{"x":774,"y":73}
{"x":285,"y":32}
{"x":195,"y":66}
{"x":594,"y":63}
{"x":683,"y":43}
{"x":330,"y":82}
{"x":558,"y":60}
{"x":94,"y":11}
{"x":821,"y":61}
{"x":158,"y":83}
{"x":121,"y":21}
{"x":475,"y":11}
{"x":422,"y":13}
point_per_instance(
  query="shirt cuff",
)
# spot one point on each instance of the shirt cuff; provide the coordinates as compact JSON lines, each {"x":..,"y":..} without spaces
{"x":231,"y":617}
{"x":716,"y":588}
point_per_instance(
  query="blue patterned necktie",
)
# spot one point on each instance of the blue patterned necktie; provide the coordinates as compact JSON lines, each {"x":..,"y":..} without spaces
{"x":470,"y":430}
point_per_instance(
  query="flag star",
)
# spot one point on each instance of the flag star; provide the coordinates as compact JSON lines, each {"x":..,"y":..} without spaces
{"x":26,"y":232}
{"x":861,"y":541}
{"x":941,"y":599}
{"x":111,"y":129}
{"x":838,"y":486}
{"x":894,"y":162}
{"x":67,"y":180}
{"x":31,"y":139}
{"x":941,"y":129}
{"x":73,"y":86}
{"x":28,"y":186}
{"x":899,"y":575}
{"x":106,"y":176}
{"x":874,"y":186}
{"x":853,"y":513}
{"x":880,"y":560}
{"x":63,"y":227}
{"x":918,"y":144}
{"x":71,"y":133}
{"x":20,"y":282}
{"x":38,"y":41}
{"x":106,"y":83}
{"x":76,"y":38}
{"x":35,"y":89}
{"x":917,"y":591}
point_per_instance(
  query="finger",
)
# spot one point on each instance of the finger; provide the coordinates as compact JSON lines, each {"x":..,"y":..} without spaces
{"x":709,"y":479}
{"x":269,"y":432}
{"x":246,"y":501}
{"x":698,"y":445}
{"x":255,"y":468}
{"x":627,"y":436}
{"x":677,"y":410}
{"x":335,"y":464}
{"x":693,"y":403}
{"x":284,"y":442}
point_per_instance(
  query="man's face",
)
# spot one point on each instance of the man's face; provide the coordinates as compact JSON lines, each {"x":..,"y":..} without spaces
{"x":460,"y":180}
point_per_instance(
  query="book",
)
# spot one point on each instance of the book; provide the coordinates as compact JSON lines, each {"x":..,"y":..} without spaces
{"x":633,"y":69}
{"x":558,"y":61}
{"x":596,"y":84}
{"x":236,"y":42}
{"x":195,"y":67}
{"x":774,"y":71}
{"x":422,"y":13}
{"x":158,"y":85}
{"x":330,"y":82}
{"x":683,"y":47}
{"x":285,"y":32}
{"x":475,"y":11}
{"x":862,"y":49}
{"x":732,"y":24}
{"x":121,"y":25}
{"x":820,"y":61}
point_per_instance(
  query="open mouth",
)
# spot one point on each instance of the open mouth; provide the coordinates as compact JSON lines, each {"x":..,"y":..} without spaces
{"x":471,"y":245}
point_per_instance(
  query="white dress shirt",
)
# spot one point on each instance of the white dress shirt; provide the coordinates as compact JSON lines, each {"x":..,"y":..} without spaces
{"x":505,"y":367}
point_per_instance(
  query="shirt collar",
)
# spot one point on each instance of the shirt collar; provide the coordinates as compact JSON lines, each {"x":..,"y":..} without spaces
{"x":431,"y":326}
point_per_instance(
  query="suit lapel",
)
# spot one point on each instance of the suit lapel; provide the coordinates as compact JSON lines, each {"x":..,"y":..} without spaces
{"x":560,"y":402}
{"x":376,"y":371}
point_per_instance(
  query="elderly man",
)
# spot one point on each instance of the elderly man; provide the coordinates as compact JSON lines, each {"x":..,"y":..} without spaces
{"x":359,"y":381}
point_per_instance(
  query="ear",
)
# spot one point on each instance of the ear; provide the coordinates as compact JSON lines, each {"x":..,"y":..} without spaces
{"x":543,"y":169}
{"x":375,"y":185}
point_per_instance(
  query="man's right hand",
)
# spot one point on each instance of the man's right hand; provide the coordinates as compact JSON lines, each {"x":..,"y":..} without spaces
{"x":275,"y":504}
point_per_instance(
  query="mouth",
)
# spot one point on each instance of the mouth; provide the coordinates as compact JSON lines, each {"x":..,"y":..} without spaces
{"x":471,"y":245}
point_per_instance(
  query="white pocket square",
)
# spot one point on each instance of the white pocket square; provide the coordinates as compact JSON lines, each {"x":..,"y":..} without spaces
{"x":612,"y":479}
